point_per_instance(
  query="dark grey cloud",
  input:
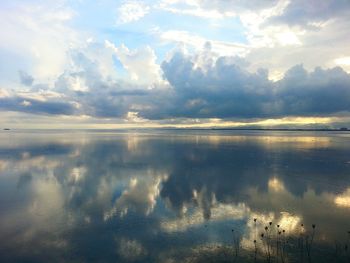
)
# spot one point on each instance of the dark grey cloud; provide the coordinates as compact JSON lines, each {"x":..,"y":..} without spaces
{"x":227,"y":90}
{"x":25,"y":78}
{"x":299,"y":12}
{"x":322,"y":91}
{"x":223,"y":90}
{"x":27,"y":105}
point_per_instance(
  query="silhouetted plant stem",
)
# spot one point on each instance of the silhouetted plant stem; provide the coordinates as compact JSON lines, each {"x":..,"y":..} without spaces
{"x":283,"y":245}
{"x":265,"y":247}
{"x":309,"y":243}
{"x":255,"y":250}
{"x":337,"y":254}
{"x":347,"y":247}
{"x":255,"y":240}
{"x":236,"y":243}
{"x":268,"y":244}
{"x":301,"y":243}
{"x":278,"y":233}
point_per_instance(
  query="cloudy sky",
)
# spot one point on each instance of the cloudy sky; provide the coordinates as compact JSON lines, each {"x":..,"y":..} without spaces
{"x":174,"y":63}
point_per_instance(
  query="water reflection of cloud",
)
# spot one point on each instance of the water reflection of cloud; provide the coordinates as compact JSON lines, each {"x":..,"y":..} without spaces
{"x":130,"y":250}
{"x":325,"y":209}
{"x":38,"y":213}
{"x":343,"y":200}
{"x":47,"y":199}
{"x":40,"y":163}
{"x":219,"y":212}
{"x":140,"y":196}
{"x":77,"y":174}
{"x":24,"y":180}
{"x":133,"y":142}
{"x":276,"y":185}
{"x":272,"y":140}
{"x":288,"y":222}
{"x":3,"y":165}
{"x":172,"y":187}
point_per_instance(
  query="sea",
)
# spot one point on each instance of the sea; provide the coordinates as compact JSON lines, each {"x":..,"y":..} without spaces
{"x":174,"y":196}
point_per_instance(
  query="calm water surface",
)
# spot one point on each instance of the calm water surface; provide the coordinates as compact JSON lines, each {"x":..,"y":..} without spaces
{"x":173,"y":196}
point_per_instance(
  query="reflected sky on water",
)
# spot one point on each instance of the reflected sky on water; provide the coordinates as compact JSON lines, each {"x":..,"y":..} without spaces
{"x":164,"y":196}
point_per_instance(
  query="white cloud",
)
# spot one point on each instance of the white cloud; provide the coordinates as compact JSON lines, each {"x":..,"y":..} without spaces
{"x":278,"y":36}
{"x":261,"y":34}
{"x":197,"y":42}
{"x":342,"y":61}
{"x":199,"y":12}
{"x":26,"y":103}
{"x":131,"y":11}
{"x":37,"y":38}
{"x":216,"y":9}
{"x":4,"y":93}
{"x":140,"y":63}
{"x":77,"y":83}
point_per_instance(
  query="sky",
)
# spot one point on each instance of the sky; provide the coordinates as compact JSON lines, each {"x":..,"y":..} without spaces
{"x":174,"y":63}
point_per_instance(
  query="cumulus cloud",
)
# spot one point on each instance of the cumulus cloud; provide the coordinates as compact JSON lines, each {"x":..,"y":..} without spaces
{"x":54,"y":67}
{"x":202,"y":85}
{"x":140,"y":63}
{"x":322,"y":91}
{"x":227,"y":89}
{"x":103,"y":91}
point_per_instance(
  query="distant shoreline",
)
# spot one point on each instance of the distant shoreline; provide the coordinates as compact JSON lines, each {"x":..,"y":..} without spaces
{"x":279,"y":129}
{"x":190,"y":129}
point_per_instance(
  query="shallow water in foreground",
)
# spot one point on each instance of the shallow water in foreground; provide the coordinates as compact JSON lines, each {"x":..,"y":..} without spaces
{"x":173,"y":196}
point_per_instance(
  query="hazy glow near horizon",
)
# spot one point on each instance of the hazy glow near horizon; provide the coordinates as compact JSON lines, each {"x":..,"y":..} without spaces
{"x":174,"y":63}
